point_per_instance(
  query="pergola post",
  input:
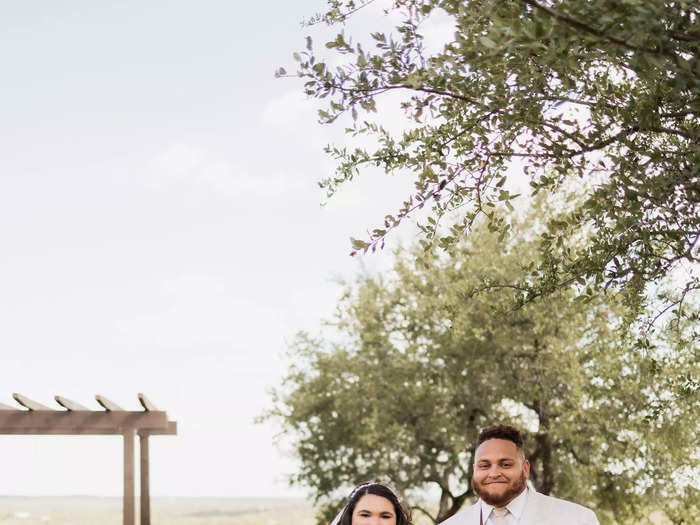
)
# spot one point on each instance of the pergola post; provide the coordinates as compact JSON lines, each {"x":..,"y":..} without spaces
{"x":145,"y":501}
{"x":128,"y":503}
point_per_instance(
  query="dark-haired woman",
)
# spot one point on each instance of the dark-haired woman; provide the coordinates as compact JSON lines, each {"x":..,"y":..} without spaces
{"x":373,"y":504}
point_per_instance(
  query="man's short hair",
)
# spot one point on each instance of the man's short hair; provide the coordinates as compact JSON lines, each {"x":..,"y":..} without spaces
{"x":501,"y":432}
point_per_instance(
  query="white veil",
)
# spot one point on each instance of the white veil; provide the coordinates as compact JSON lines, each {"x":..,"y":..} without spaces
{"x":336,"y":520}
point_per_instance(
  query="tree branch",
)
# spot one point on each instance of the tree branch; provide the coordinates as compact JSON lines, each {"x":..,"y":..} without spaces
{"x":588,"y":29}
{"x":425,"y":512}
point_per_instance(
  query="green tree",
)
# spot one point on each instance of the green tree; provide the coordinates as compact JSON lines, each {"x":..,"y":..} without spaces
{"x":605,"y":91}
{"x":418,"y":364}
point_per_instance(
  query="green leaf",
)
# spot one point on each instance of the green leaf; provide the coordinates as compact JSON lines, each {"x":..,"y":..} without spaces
{"x":487,"y":42}
{"x":358,"y":244}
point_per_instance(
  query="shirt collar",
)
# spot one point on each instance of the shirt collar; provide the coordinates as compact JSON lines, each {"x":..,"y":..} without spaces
{"x":515,"y":507}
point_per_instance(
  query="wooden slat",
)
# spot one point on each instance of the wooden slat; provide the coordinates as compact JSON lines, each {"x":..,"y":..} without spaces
{"x":80,"y":422}
{"x":68,"y":404}
{"x":28,"y":403}
{"x":107,"y":404}
{"x":146,"y":404}
{"x":88,"y":431}
{"x":171,"y":430}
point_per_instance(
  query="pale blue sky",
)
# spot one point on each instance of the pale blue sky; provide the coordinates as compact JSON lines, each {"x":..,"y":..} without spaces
{"x":160,"y":232}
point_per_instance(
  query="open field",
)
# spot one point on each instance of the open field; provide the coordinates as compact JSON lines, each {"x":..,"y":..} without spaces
{"x":86,"y":510}
{"x":80,"y":510}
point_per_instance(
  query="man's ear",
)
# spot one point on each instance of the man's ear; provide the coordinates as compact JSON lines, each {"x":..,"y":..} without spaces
{"x":526,"y":469}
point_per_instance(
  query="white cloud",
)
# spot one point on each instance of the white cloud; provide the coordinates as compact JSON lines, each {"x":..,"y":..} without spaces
{"x":199,"y":169}
{"x":437,"y":31}
{"x":295,"y":118}
{"x":288,"y":110}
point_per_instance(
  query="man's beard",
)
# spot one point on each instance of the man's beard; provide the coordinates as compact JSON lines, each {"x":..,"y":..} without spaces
{"x":502,"y":500}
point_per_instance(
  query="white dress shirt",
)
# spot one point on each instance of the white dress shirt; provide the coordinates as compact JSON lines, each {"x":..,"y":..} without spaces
{"x":515,"y":510}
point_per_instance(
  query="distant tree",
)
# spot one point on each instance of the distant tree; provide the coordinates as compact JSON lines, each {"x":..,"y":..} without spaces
{"x":419,"y":364}
{"x":605,"y":91}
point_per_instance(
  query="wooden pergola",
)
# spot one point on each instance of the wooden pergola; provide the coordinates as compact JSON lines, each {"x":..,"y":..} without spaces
{"x":37,"y":419}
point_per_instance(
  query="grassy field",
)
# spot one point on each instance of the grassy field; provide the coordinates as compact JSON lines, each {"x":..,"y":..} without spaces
{"x":166,"y":511}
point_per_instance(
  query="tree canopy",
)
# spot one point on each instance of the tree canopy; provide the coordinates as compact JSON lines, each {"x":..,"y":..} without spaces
{"x":606,"y":92}
{"x":417,"y":365}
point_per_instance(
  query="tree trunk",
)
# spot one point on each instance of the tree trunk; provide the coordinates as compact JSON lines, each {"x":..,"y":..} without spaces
{"x":544,"y":454}
{"x":450,"y":505}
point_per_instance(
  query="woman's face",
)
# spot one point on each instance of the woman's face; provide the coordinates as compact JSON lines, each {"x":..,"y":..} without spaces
{"x":373,"y":510}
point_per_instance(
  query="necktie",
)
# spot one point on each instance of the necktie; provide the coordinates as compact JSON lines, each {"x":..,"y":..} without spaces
{"x":500,"y":514}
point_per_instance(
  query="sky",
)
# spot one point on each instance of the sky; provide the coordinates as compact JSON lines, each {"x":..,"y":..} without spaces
{"x":161,"y":231}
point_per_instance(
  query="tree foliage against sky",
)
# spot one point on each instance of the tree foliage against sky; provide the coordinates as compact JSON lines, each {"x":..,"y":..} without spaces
{"x":418,"y":365}
{"x":605,"y":91}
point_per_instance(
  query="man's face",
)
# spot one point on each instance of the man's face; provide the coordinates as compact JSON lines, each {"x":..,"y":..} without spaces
{"x":500,"y":472}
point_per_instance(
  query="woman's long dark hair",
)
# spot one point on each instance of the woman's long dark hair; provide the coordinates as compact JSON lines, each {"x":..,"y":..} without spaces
{"x":403,"y":515}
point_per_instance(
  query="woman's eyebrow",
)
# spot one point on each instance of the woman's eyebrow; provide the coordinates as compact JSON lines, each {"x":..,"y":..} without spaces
{"x":390,"y":513}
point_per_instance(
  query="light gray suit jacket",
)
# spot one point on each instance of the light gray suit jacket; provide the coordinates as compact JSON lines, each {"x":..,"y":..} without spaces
{"x":539,"y":510}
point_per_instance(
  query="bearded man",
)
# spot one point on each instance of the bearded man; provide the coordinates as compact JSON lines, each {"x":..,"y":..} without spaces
{"x":500,"y":480}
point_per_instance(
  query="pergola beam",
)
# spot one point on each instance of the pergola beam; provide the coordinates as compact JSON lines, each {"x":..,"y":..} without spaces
{"x":146,"y":404}
{"x":171,"y":430}
{"x":29,"y":403}
{"x":68,"y":404}
{"x":108,"y":405}
{"x":79,"y":422}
